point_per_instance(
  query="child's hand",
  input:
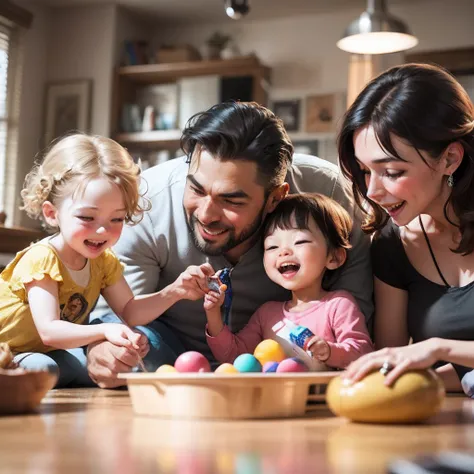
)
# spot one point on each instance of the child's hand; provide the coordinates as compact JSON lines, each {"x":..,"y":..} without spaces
{"x":143,"y":346}
{"x":214,"y":299}
{"x":319,"y":348}
{"x":121,"y":335}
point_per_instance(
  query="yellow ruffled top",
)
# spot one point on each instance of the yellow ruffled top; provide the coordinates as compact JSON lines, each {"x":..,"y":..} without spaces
{"x":17,"y":327}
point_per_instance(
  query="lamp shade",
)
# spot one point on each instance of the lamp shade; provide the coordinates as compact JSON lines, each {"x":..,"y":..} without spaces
{"x":376,"y":32}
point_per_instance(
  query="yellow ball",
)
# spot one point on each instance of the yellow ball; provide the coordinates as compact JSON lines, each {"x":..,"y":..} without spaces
{"x":415,"y":396}
{"x":226,"y":369}
{"x":269,"y":351}
{"x":166,"y":368}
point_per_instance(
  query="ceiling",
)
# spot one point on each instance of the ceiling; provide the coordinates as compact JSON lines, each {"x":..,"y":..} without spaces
{"x":199,"y":11}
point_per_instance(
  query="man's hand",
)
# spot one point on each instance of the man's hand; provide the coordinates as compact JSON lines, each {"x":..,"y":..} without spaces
{"x":192,"y":283}
{"x":105,"y":360}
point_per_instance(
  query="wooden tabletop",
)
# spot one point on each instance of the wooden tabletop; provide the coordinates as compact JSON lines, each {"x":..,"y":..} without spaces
{"x":94,"y":431}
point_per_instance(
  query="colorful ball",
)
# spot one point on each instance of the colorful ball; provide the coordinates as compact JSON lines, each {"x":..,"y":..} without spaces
{"x":270,"y":366}
{"x":226,"y":369}
{"x":166,"y":368}
{"x":269,"y":350}
{"x":247,"y":363}
{"x":192,"y":361}
{"x":292,"y":365}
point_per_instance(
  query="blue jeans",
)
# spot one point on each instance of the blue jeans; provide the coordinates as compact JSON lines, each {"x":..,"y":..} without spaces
{"x":70,"y":366}
{"x":165,"y":346}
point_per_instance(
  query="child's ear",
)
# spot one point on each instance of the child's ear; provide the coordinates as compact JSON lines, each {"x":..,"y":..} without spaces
{"x":50,"y":214}
{"x":336,"y":258}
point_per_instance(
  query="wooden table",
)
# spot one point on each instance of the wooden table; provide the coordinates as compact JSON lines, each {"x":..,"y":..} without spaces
{"x":94,"y":431}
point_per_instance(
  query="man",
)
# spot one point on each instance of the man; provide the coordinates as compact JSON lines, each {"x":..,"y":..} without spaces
{"x":209,"y":208}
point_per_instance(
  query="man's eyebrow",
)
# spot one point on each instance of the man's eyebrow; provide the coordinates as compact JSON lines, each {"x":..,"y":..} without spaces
{"x":238,"y":194}
{"x":194,"y":181}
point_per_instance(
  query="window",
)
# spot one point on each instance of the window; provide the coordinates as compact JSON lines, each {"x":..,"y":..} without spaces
{"x":13,"y":20}
{"x":8,"y":124}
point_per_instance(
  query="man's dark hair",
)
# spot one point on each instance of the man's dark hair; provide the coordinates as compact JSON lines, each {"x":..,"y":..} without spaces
{"x":242,"y":131}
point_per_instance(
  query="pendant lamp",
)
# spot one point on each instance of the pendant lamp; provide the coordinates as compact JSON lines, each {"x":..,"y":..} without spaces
{"x":377,"y":32}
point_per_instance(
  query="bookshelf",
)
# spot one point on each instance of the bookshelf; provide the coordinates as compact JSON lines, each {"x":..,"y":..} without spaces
{"x":130,"y":79}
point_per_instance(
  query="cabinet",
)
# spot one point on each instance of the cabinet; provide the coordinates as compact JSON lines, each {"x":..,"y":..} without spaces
{"x":129,"y":80}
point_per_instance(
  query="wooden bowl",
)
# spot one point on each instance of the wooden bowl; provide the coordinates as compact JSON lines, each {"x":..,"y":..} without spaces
{"x":227,"y":396}
{"x":22,"y":391}
{"x":415,"y":396}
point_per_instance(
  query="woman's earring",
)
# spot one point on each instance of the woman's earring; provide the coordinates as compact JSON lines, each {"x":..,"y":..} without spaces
{"x":450,"y":181}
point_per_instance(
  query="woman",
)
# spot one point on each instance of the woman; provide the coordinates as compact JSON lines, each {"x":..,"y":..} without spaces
{"x":407,"y":144}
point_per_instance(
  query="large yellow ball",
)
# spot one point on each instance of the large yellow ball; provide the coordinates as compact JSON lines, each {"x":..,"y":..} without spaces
{"x":269,"y":351}
{"x":415,"y":396}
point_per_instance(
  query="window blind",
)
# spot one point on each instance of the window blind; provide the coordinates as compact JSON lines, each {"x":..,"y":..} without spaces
{"x":10,"y":88}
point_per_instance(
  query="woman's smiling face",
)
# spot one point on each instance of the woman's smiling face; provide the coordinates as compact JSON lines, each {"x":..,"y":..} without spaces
{"x":404,"y":189}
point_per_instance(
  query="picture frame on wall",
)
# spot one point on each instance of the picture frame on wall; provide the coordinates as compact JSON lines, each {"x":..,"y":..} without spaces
{"x":321,"y":113}
{"x":67,"y":108}
{"x":289,"y":112}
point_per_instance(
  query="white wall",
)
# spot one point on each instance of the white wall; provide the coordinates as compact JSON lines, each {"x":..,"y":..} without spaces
{"x":302,"y":50}
{"x":86,"y":42}
{"x":35,"y":52}
{"x":303,"y":55}
{"x":81,"y":44}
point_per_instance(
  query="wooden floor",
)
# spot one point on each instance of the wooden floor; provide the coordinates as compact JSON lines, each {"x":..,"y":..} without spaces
{"x":94,"y":431}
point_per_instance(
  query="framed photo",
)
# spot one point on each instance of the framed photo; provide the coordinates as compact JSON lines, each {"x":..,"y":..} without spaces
{"x":289,"y":112}
{"x":321,"y":113}
{"x":67,"y":108}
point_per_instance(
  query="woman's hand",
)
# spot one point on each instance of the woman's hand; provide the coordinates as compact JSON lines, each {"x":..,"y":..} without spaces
{"x":421,"y":355}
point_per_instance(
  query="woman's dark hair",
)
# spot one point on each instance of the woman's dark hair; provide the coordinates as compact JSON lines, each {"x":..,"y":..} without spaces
{"x":425,"y":106}
{"x":242,"y":131}
{"x":295,"y":210}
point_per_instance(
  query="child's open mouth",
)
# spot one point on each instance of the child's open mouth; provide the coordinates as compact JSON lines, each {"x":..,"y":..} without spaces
{"x":289,"y":268}
{"x":95,"y":244}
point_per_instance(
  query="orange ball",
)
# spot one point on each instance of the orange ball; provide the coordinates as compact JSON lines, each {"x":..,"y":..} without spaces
{"x":166,"y":368}
{"x":226,"y":369}
{"x":269,"y":351}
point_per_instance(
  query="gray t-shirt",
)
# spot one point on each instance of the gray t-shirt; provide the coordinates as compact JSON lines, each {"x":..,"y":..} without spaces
{"x":158,"y":249}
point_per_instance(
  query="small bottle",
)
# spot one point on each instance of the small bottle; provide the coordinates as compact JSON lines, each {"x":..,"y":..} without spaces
{"x":299,"y":335}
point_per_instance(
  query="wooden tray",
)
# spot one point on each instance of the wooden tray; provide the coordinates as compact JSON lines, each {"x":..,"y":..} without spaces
{"x":21,"y":391}
{"x":227,"y":396}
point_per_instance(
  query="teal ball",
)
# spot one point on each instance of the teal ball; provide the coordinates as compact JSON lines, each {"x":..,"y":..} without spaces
{"x":247,"y":363}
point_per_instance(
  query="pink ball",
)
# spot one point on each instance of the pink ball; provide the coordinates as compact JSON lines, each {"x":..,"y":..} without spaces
{"x":292,"y":365}
{"x":192,"y":361}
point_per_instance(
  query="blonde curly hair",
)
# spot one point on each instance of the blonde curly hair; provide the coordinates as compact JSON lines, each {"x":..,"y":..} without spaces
{"x":71,"y":163}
